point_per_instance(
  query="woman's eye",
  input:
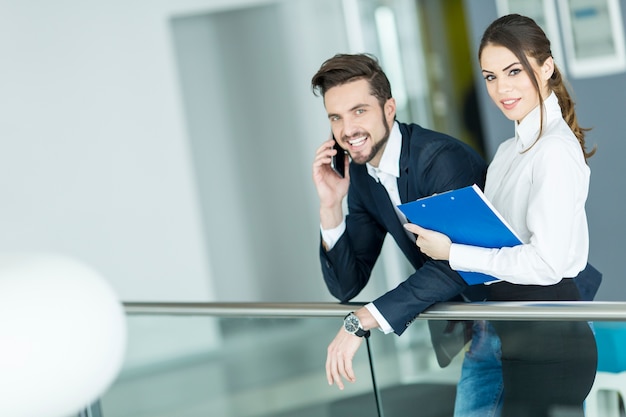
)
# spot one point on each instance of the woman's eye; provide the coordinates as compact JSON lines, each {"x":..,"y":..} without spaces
{"x":489,"y":77}
{"x":360,"y":111}
{"x":515,"y":71}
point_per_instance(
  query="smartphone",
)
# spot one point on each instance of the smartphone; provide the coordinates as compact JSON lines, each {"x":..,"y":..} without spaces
{"x":338,"y":161}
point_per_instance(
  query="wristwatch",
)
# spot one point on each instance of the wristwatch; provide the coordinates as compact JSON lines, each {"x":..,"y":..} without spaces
{"x":352,"y":325}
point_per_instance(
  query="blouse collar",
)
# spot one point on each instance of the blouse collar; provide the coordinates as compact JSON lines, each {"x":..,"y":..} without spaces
{"x":527,"y":131}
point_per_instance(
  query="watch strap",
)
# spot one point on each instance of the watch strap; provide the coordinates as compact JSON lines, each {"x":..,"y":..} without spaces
{"x":362,"y":333}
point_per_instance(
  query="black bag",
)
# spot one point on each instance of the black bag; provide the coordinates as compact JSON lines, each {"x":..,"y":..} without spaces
{"x":448,"y":338}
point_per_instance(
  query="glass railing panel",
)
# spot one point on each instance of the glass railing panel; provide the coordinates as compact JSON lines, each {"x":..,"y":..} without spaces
{"x":608,"y":394}
{"x":191,"y":365}
{"x":408,"y":372}
{"x":188,"y":366}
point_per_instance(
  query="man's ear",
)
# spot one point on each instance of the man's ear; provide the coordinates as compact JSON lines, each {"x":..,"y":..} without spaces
{"x":390,"y":109}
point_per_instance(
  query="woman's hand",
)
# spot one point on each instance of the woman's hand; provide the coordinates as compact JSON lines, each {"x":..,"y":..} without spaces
{"x":434,"y":244}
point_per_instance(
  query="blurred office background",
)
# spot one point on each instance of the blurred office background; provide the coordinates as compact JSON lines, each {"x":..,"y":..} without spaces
{"x":169,"y":143}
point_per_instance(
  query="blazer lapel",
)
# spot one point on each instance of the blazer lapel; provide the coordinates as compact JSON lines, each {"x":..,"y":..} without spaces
{"x":392,"y":223}
{"x":403,"y":181}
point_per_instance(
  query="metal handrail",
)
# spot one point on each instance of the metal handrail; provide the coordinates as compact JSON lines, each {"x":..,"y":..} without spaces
{"x":517,"y":311}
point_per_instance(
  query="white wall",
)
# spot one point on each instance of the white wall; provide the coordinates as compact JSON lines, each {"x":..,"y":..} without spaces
{"x":95,"y":159}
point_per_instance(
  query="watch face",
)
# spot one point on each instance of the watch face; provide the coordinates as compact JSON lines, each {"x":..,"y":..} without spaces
{"x":351,"y":323}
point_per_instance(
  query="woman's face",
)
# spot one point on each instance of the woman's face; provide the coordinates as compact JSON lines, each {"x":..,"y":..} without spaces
{"x":509,"y":84}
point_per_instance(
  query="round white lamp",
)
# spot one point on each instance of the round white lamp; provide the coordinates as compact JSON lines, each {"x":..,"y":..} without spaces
{"x":62,"y":336}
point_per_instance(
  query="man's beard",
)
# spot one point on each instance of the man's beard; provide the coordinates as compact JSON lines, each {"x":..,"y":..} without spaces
{"x":378,"y":146}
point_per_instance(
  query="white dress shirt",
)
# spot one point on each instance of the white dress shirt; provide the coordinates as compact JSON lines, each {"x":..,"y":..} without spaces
{"x":387,"y":173}
{"x":540,"y":188}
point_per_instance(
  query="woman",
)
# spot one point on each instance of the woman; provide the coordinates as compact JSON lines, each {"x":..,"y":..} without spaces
{"x":538,"y":180}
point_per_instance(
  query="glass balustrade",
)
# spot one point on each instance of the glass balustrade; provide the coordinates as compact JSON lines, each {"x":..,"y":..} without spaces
{"x":201,"y":365}
{"x":187,"y":366}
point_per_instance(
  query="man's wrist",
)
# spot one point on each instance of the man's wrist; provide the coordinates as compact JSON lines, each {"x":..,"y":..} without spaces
{"x":374,"y":317}
{"x":331,"y":216}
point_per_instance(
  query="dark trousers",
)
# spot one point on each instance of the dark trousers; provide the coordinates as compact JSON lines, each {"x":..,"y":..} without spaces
{"x":547,"y":366}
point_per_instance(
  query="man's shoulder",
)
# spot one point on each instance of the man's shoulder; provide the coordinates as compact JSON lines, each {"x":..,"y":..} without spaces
{"x":419,"y":136}
{"x":423,"y":147}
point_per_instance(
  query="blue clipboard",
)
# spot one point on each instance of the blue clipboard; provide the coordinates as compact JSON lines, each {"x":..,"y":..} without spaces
{"x":466,"y":217}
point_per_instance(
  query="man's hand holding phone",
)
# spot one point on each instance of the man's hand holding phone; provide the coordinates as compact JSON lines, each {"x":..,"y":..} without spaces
{"x":331,"y":187}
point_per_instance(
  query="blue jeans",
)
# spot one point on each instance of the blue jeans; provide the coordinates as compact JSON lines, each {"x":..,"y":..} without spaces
{"x":479,"y":391}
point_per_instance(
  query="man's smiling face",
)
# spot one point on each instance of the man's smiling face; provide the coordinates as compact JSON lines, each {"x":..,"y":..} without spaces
{"x":359,"y":123}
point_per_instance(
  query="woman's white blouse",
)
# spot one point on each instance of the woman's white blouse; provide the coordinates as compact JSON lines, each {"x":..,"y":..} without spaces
{"x":540,"y":188}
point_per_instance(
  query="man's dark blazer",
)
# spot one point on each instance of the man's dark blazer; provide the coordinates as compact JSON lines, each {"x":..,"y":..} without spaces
{"x":430,"y":162}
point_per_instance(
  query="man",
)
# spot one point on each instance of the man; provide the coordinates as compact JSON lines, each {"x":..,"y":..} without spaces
{"x":392,"y":163}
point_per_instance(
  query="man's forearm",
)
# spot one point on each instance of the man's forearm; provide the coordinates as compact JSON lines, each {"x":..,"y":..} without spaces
{"x":331,"y":217}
